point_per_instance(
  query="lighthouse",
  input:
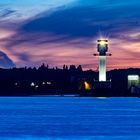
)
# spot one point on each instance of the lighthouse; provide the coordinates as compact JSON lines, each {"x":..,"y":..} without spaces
{"x":102,"y":83}
{"x":102,"y":48}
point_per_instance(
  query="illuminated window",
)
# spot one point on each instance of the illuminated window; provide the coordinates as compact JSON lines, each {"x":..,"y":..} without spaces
{"x":133,"y":80}
{"x":133,"y":77}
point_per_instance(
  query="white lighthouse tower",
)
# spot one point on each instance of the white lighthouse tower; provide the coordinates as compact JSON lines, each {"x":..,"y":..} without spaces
{"x":102,"y":48}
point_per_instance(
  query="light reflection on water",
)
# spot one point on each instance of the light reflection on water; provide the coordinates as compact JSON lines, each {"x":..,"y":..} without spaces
{"x":59,"y":118}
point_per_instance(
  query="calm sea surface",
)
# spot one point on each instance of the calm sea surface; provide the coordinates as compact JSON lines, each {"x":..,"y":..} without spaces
{"x":74,"y":118}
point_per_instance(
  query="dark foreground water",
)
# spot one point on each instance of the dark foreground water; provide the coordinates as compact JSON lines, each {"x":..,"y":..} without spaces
{"x":60,"y":118}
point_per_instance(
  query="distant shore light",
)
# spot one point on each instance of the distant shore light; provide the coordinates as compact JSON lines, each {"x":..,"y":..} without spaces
{"x":87,"y":86}
{"x":32,"y":84}
{"x":49,"y":83}
{"x":43,"y":83}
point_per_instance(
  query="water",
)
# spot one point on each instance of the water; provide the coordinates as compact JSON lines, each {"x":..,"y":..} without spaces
{"x":72,"y":118}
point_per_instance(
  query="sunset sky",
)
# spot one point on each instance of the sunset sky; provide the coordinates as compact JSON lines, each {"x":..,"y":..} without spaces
{"x":58,"y":32}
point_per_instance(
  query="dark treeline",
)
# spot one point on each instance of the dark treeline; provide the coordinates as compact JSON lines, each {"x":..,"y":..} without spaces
{"x":55,"y":81}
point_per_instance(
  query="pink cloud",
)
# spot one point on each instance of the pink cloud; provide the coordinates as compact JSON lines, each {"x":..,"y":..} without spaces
{"x":125,"y":53}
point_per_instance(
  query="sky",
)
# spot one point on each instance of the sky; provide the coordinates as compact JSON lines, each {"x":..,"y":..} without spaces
{"x":59,"y":32}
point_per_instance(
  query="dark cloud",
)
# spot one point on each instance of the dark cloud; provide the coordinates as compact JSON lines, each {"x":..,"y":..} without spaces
{"x":78,"y":22}
{"x":84,"y":21}
{"x":5,"y":61}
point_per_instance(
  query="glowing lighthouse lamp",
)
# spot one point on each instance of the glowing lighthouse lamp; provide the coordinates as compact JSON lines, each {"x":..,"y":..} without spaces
{"x":102,"y":48}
